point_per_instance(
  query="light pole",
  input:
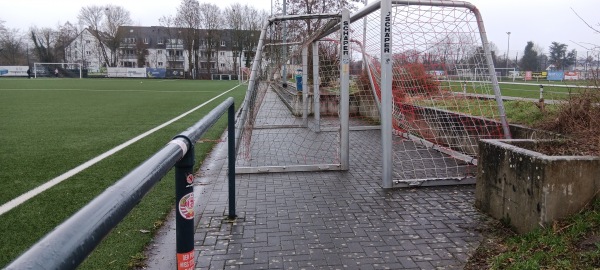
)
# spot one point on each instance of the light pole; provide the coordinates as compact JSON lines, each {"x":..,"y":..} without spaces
{"x":508,"y":48}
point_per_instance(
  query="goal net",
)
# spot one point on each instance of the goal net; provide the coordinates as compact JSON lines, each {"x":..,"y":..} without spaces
{"x":406,"y":63}
{"x":278,"y":132}
{"x":62,"y":70}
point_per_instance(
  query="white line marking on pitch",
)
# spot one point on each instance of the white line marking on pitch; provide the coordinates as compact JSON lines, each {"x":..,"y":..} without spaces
{"x":106,"y":90}
{"x":34,"y":192}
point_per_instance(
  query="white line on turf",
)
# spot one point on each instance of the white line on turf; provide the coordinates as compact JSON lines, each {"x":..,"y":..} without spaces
{"x":109,"y":90}
{"x":34,"y":192}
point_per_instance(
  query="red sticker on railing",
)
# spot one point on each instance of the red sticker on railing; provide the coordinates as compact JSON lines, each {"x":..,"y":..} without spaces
{"x":186,"y":206}
{"x":185,"y":261}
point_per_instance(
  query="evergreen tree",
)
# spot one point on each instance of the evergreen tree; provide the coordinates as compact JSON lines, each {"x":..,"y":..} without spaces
{"x":559,"y":56}
{"x":529,"y":61}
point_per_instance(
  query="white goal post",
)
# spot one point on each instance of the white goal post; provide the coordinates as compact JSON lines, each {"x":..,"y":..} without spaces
{"x":509,"y":73}
{"x":48,"y":71}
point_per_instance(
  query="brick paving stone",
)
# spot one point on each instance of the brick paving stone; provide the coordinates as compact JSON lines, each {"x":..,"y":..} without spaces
{"x":336,"y":220}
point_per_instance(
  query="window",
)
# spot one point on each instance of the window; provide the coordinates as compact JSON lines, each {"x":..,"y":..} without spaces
{"x":88,"y":53}
{"x":128,"y":52}
{"x":222,"y":43}
{"x":87,"y":41}
{"x":146,"y":40}
{"x":222,"y":53}
{"x":207,"y":54}
{"x":174,"y":41}
{"x":129,"y":40}
{"x":160,"y":41}
{"x":222,"y":64}
{"x":205,"y":65}
{"x":159,"y":52}
{"x":160,"y":64}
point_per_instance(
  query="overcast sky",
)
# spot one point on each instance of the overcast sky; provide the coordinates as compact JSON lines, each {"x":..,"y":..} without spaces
{"x":540,"y":21}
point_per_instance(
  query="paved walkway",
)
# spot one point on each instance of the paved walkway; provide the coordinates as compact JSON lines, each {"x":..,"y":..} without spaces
{"x":335,"y":220}
{"x":327,"y":220}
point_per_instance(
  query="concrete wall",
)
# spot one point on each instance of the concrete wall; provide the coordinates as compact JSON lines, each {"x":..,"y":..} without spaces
{"x":457,"y":131}
{"x":524,"y":188}
{"x":329,"y":104}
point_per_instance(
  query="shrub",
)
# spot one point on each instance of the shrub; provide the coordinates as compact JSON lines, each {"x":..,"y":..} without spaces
{"x":578,"y":118}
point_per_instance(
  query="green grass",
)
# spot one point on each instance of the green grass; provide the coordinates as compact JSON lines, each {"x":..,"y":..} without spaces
{"x":555,"y":91}
{"x":517,"y":111}
{"x":51,"y":126}
{"x":573,"y":243}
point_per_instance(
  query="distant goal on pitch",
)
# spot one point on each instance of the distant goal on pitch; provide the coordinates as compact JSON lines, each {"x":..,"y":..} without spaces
{"x":63,"y":70}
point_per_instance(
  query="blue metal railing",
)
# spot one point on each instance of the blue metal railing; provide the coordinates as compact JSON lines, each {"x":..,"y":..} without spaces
{"x":73,"y":240}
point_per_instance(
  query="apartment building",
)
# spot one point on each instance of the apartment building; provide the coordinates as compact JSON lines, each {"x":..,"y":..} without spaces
{"x":213,"y":52}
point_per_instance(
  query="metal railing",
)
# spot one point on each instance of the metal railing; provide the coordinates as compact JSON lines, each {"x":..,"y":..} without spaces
{"x":73,"y":240}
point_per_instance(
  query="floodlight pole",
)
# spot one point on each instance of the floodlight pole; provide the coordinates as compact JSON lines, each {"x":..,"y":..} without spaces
{"x":507,"y":51}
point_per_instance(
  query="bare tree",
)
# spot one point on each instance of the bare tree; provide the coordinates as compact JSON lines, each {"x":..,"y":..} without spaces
{"x":92,"y":17}
{"x":65,"y":34}
{"x":43,"y":41}
{"x":234,"y":18}
{"x":253,"y":23}
{"x":12,"y":47}
{"x":115,"y":17}
{"x":173,"y":33}
{"x":188,"y":17}
{"x":210,"y":15}
{"x":104,"y":22}
{"x":313,"y":7}
{"x":2,"y":27}
{"x":586,"y":23}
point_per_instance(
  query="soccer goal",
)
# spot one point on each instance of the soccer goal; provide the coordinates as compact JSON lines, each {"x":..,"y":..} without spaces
{"x":509,"y":74}
{"x":68,"y":70}
{"x":386,"y":77}
{"x":278,"y":133}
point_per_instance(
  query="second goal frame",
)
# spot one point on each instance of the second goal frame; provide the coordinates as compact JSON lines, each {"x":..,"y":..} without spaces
{"x":61,"y":64}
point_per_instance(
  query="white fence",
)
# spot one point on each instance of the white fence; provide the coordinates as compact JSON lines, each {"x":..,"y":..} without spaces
{"x":119,"y":72}
{"x":13,"y":71}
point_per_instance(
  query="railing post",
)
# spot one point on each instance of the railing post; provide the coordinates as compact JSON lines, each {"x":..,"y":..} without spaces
{"x":542,"y":105}
{"x":184,"y":221}
{"x":231,"y":158}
